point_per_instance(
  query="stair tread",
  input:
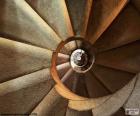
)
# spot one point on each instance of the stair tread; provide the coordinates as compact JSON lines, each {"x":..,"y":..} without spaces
{"x":95,"y":88}
{"x":120,"y":112}
{"x":67,"y":75}
{"x":24,"y":100}
{"x":62,"y":58}
{"x":102,"y":16}
{"x":88,"y":104}
{"x":71,"y":112}
{"x":124,"y":58}
{"x":134,"y":99}
{"x":125,"y":29}
{"x":137,"y":4}
{"x":18,"y":59}
{"x":81,"y":88}
{"x":55,"y":14}
{"x":79,"y":11}
{"x":21,"y":23}
{"x":115,"y":102}
{"x":49,"y":105}
{"x":24,"y":81}
{"x":113,"y":79}
{"x":71,"y":46}
{"x":69,"y":83}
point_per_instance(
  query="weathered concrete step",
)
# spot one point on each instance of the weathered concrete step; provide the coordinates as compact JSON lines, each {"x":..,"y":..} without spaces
{"x":20,"y":22}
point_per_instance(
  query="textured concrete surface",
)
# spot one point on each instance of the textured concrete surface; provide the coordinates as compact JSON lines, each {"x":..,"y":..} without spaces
{"x":134,"y":99}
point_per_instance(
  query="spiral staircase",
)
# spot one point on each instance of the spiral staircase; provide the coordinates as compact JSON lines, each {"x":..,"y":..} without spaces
{"x":69,"y":57}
